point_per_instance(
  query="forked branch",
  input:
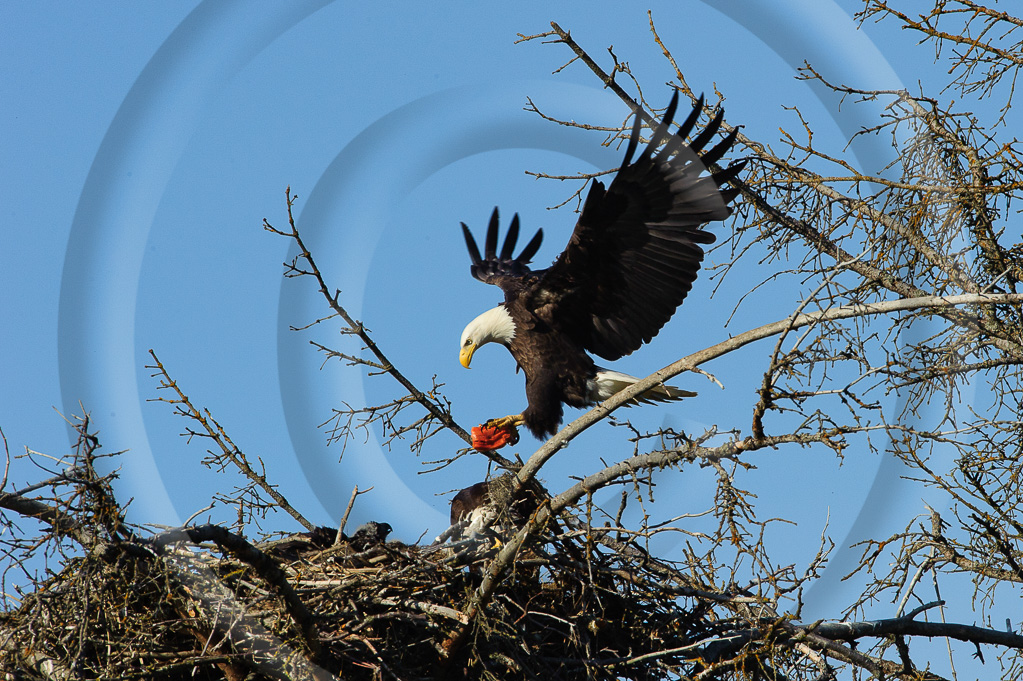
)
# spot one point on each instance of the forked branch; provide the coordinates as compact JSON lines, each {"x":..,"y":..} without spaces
{"x":355,"y":327}
{"x":214,"y":431}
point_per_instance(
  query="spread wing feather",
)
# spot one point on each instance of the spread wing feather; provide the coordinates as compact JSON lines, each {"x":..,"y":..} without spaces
{"x":504,"y":270}
{"x":636,"y":248}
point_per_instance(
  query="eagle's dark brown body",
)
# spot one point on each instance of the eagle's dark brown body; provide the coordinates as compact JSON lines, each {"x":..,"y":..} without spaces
{"x":557,"y":369}
{"x":629,"y":264}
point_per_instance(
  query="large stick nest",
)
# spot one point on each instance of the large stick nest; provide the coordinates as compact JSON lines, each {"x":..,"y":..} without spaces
{"x":192,"y":609}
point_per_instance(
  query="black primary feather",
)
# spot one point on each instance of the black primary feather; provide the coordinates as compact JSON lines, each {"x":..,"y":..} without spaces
{"x":492,"y":266}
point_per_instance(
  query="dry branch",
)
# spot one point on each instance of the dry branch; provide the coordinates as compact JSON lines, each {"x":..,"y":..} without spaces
{"x":598,"y":413}
{"x":229,"y":452}
{"x":354,"y":327}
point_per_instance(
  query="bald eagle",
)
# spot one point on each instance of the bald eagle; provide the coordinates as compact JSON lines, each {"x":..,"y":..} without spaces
{"x":629,"y":264}
{"x":493,"y":509}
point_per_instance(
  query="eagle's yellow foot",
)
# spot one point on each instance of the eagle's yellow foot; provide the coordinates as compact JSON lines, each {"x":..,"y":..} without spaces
{"x":506,"y":423}
{"x":496,"y":433}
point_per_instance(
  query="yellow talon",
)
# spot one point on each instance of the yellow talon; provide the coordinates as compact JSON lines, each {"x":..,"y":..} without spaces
{"x":506,"y":422}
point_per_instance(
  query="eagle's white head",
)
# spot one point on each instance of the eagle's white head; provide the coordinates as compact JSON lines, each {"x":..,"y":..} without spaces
{"x":493,"y":325}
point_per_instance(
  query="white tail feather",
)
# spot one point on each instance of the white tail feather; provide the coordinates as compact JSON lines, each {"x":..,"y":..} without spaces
{"x":607,"y":382}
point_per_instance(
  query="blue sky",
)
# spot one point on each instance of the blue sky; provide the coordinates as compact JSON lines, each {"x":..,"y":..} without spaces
{"x":143,"y":148}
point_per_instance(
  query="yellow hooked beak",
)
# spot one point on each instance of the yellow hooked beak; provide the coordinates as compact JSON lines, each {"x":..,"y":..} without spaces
{"x":465,"y":355}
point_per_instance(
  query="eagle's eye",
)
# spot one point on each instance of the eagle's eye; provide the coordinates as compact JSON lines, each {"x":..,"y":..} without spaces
{"x":468,"y":342}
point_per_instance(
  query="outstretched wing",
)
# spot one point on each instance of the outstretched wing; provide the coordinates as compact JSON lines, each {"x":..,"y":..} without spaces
{"x":636,"y":248}
{"x":502,"y":270}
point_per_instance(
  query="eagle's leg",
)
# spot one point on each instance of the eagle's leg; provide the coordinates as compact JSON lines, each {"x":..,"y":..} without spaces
{"x":506,"y":422}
